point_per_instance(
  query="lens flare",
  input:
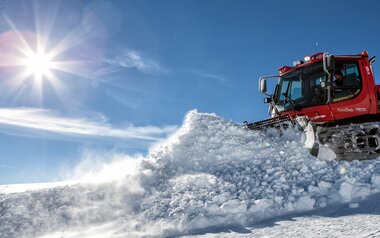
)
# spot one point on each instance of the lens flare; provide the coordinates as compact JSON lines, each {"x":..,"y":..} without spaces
{"x":36,"y":68}
{"x":38,"y":64}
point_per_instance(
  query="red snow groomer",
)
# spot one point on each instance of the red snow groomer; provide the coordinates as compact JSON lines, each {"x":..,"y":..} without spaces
{"x":334,"y":99}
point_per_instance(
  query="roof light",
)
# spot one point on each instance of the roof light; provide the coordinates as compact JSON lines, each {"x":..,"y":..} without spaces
{"x":307,"y":58}
{"x":284,"y":69}
{"x":315,"y":57}
{"x":297,"y":62}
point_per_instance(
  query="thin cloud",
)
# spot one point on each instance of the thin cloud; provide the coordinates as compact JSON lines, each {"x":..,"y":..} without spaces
{"x":209,"y":76}
{"x":40,"y":120}
{"x":132,"y":59}
{"x":4,"y":166}
{"x":104,"y":71}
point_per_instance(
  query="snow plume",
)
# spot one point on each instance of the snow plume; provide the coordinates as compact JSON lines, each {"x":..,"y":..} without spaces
{"x":93,"y":168}
{"x":210,"y":173}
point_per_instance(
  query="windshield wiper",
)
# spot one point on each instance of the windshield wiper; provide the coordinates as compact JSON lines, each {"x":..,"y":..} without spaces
{"x":289,"y":100}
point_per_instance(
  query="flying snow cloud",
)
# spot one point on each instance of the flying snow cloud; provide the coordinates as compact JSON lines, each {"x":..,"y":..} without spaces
{"x":31,"y":120}
{"x":210,"y":176}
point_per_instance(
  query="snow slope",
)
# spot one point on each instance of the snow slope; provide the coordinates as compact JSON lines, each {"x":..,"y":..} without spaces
{"x":209,"y":176}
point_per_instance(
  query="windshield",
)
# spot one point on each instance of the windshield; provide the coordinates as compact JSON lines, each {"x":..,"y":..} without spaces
{"x":301,"y":88}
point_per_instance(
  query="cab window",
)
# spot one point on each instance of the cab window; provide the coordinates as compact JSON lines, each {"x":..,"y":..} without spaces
{"x":301,"y":88}
{"x":346,"y":82}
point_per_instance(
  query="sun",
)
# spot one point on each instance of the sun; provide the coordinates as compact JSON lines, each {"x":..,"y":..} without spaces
{"x":38,"y":64}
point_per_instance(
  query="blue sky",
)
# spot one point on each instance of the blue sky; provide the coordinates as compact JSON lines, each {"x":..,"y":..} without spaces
{"x":125,"y":73}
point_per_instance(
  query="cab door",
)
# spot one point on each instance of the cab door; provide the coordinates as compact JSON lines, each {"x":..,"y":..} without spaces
{"x":351,"y":98}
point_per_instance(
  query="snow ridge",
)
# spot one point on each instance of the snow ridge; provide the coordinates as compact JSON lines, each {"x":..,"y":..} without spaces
{"x":211,"y":173}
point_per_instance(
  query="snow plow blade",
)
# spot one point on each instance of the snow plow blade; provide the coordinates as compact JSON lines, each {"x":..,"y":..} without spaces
{"x":276,"y":122}
{"x":302,"y":123}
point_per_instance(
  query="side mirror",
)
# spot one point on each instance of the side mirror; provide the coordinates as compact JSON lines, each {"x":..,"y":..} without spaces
{"x":263,"y":85}
{"x":372,"y":60}
{"x":268,"y":100}
{"x":328,"y":62}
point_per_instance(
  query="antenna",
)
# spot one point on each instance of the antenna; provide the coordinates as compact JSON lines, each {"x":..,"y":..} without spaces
{"x":316,"y":47}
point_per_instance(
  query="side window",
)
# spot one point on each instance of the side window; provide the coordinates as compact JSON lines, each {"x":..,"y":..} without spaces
{"x":296,"y":90}
{"x":347,"y":83}
{"x":284,"y":87}
{"x":292,"y":87}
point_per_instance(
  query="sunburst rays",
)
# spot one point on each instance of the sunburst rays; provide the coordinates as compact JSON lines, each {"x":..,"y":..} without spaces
{"x":30,"y":57}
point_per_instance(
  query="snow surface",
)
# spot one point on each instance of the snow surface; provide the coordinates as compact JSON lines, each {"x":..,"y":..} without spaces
{"x":211,"y":176}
